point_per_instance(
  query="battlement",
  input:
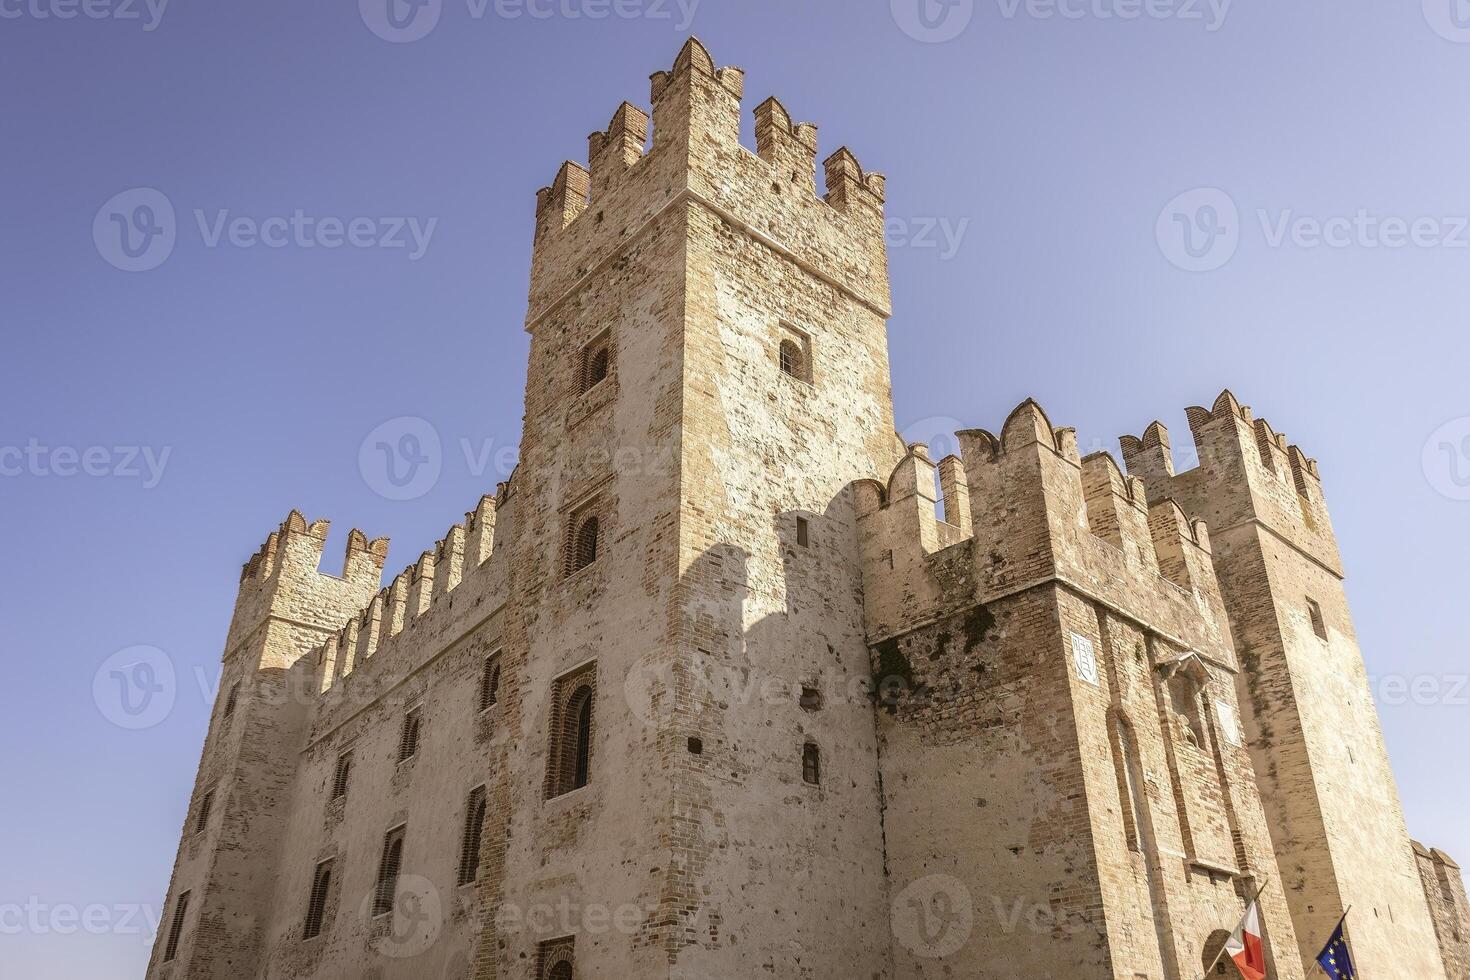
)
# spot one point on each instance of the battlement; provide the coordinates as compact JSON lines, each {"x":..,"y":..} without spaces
{"x":428,"y":583}
{"x":312,"y":539}
{"x":1024,"y":508}
{"x":1248,"y":471}
{"x":688,"y":146}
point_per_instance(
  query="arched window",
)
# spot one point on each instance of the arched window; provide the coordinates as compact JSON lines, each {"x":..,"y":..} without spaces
{"x":792,"y":361}
{"x":388,"y":866}
{"x":584,"y":544}
{"x":582,"y":750}
{"x":474,"y":826}
{"x":596,"y":362}
{"x":569,"y":759}
{"x":490,"y":682}
{"x":811,"y":764}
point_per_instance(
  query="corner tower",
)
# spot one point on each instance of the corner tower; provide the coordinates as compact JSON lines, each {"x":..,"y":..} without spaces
{"x":1313,"y":730}
{"x":708,"y":374}
{"x":218,"y":906}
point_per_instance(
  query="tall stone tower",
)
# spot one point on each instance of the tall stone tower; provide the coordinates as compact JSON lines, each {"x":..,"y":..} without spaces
{"x":708,"y":373}
{"x":1313,"y":729}
{"x":220,"y":896}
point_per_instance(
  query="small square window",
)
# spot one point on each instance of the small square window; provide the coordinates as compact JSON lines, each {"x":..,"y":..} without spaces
{"x":794,"y":354}
{"x":811,"y":699}
{"x":1319,"y":625}
{"x":696,"y":746}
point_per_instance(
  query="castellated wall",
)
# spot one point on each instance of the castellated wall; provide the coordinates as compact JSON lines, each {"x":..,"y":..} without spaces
{"x":1444,"y":888}
{"x":1309,"y":715}
{"x":1060,"y":748}
{"x":1069,"y":729}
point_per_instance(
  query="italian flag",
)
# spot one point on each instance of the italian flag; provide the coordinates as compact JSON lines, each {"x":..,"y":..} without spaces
{"x":1245,"y":948}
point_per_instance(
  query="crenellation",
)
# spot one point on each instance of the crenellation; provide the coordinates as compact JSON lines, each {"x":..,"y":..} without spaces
{"x":786,"y":146}
{"x":612,"y":152}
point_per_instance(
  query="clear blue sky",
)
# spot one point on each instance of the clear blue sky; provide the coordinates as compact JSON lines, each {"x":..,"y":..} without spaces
{"x":1046,"y":147}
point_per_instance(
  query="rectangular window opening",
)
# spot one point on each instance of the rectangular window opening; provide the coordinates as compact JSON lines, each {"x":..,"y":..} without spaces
{"x":176,"y":928}
{"x":316,"y":905}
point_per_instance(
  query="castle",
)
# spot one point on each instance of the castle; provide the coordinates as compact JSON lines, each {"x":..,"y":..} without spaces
{"x":726,"y":681}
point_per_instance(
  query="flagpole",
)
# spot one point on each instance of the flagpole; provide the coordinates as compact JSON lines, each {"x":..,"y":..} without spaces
{"x":1255,"y":898}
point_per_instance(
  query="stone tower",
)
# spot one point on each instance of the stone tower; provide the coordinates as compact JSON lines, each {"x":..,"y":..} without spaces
{"x":1313,"y":728}
{"x":739,"y":318}
{"x":220,"y":896}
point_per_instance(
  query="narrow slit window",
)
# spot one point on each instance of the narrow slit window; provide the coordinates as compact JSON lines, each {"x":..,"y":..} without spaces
{"x":408,"y":742}
{"x":490,"y":682}
{"x":388,"y":867}
{"x":201,"y":819}
{"x":811,"y":764}
{"x":1319,"y":625}
{"x":474,"y":828}
{"x":342,"y":776}
{"x":232,"y":698}
{"x":176,"y":927}
{"x":803,"y":532}
{"x":316,"y":905}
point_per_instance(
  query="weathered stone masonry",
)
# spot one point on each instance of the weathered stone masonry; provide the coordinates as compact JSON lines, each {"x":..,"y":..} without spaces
{"x":757,"y":709}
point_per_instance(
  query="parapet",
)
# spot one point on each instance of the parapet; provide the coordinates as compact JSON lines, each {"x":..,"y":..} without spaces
{"x":1022,"y":508}
{"x":284,"y":577}
{"x":431,"y":582}
{"x":694,"y":150}
{"x":1248,"y":471}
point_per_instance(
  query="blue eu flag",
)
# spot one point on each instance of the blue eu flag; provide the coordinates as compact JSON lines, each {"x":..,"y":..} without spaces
{"x":1335,"y":959}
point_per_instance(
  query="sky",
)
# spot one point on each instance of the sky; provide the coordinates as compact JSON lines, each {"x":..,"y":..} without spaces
{"x":242,"y":244}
